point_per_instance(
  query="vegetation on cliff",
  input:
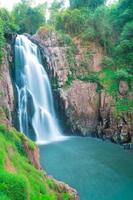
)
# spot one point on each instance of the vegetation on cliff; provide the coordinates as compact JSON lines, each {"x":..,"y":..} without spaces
{"x":24,"y":18}
{"x":19,"y":178}
{"x":111,"y":28}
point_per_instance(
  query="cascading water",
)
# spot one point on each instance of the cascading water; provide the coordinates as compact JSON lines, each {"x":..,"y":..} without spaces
{"x":35,"y":102}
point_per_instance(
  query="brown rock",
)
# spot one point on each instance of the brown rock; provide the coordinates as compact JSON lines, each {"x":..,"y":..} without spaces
{"x":33,"y":154}
{"x":123,"y":88}
{"x":124,"y":135}
{"x":9,"y":165}
{"x":64,"y":188}
{"x":54,"y":54}
{"x":81,"y":104}
{"x":6,"y":89}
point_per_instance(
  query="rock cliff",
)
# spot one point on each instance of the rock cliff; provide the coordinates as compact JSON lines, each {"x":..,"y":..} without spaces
{"x":81,"y":108}
{"x":6,"y":89}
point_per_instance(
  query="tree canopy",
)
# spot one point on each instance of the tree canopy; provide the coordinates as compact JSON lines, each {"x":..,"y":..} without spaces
{"x":86,"y":3}
{"x":28,"y":18}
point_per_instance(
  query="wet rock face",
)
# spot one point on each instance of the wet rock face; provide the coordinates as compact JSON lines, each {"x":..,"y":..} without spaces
{"x":6,"y":89}
{"x":54,"y":56}
{"x":117,"y":128}
{"x":91,"y":54}
{"x":81,"y":107}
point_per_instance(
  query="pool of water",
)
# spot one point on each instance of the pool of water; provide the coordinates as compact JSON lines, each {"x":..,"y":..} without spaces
{"x":98,"y":170}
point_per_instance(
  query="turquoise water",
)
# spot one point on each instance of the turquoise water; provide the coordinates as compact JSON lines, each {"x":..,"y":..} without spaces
{"x":98,"y":170}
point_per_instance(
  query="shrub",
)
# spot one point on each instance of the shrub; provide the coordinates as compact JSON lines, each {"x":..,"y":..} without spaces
{"x":70,"y":79}
{"x":4,"y":197}
{"x":45,"y":29}
{"x":65,"y":39}
{"x":122,"y":74}
{"x":66,"y":196}
{"x":108,"y":62}
{"x":70,"y":21}
{"x":88,"y":34}
{"x":14,"y":186}
{"x":124,"y":105}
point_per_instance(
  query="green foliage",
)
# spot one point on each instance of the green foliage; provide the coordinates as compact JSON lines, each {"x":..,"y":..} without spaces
{"x":86,"y":3}
{"x":98,"y":26}
{"x":70,"y":55}
{"x":70,"y":79}
{"x":55,"y":82}
{"x":122,"y":21}
{"x":55,"y":7}
{"x":7,"y":25}
{"x":69,"y":21}
{"x":65,"y":39}
{"x":28,"y":18}
{"x":121,"y":14}
{"x":3,"y":196}
{"x":124,"y":50}
{"x":108,"y":62}
{"x":71,"y":51}
{"x":31,"y":145}
{"x":45,"y":29}
{"x":86,"y":59}
{"x":86,"y":24}
{"x":88,"y":34}
{"x":52,"y":184}
{"x":14,"y":186}
{"x":109,"y":82}
{"x":8,"y":21}
{"x":122,"y":74}
{"x":93,"y":77}
{"x":124,"y":105}
{"x":110,"y":79}
{"x":66,"y":196}
{"x":26,"y":182}
{"x":103,"y":28}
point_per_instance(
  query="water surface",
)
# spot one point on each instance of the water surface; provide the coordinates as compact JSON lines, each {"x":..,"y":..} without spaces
{"x":98,"y":170}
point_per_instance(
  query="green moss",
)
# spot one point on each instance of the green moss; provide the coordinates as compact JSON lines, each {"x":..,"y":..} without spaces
{"x":124,"y":105}
{"x":31,"y":145}
{"x":70,"y":79}
{"x":26,"y":182}
{"x":3,"y":196}
{"x":55,"y":82}
{"x":88,"y":34}
{"x":109,"y":81}
{"x":14,"y":186}
{"x":1,"y":94}
{"x":52,"y":184}
{"x":66,"y":196}
{"x":64,"y":39}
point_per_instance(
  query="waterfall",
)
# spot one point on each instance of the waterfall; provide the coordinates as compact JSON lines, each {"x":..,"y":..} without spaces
{"x":36,"y":112}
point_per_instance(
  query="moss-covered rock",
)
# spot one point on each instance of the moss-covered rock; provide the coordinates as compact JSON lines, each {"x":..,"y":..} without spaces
{"x":21,"y":177}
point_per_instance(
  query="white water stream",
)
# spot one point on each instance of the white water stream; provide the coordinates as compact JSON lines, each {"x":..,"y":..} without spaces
{"x":35,"y":101}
